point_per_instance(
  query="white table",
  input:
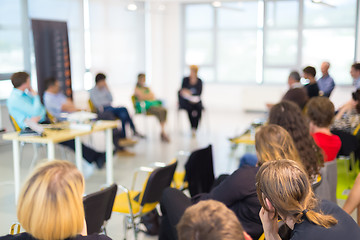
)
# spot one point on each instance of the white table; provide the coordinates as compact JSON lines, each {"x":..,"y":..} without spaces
{"x":56,"y":136}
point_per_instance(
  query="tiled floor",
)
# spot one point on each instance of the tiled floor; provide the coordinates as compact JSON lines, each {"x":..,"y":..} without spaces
{"x":215,"y":129}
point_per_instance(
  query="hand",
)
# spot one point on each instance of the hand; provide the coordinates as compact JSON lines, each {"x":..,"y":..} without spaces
{"x":84,"y":230}
{"x":32,"y":91}
{"x":35,"y":119}
{"x":269,"y":221}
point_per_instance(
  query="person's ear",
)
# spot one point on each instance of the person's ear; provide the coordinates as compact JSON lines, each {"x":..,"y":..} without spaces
{"x":269,"y":205}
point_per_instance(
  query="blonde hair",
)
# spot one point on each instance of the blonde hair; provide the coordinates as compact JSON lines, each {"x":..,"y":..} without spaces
{"x":273,"y":142}
{"x":194,"y":68}
{"x":50,"y":205}
{"x":210,"y":220}
{"x":286,"y":185}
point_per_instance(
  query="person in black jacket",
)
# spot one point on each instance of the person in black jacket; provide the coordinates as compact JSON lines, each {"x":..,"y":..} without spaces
{"x":312,"y":87}
{"x":50,"y":205}
{"x":189,"y":97}
{"x":238,"y":191}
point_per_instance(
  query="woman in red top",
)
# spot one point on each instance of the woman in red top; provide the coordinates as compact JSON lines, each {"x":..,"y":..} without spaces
{"x":321,"y":112}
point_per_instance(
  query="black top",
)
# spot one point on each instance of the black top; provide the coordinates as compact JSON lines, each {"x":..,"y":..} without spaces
{"x":238,"y":192}
{"x":312,"y":89}
{"x":195,"y":89}
{"x":26,"y":236}
{"x":346,"y":228}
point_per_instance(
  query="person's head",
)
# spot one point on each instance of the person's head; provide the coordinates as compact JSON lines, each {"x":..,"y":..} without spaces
{"x":273,"y":142}
{"x":320,"y":111}
{"x":289,"y":116}
{"x":194,"y":70}
{"x":100,"y":80}
{"x":50,"y":204}
{"x":325,"y":68}
{"x":52,"y":85}
{"x":20,"y":80}
{"x":210,"y":220}
{"x":283,"y":186}
{"x":141,"y":80}
{"x":355,"y":70}
{"x":294,"y":77}
{"x":309,"y":72}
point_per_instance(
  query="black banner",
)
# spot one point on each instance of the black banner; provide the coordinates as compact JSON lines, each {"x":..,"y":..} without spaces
{"x":52,"y":54}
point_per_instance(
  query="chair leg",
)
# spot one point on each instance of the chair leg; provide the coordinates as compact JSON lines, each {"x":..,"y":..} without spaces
{"x":33,"y":161}
{"x":125,"y":226}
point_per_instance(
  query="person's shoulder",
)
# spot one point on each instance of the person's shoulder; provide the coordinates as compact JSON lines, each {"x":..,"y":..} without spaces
{"x":20,"y":236}
{"x":246,"y":170}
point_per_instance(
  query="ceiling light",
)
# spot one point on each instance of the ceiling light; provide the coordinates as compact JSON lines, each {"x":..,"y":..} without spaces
{"x":131,"y":7}
{"x":216,"y":4}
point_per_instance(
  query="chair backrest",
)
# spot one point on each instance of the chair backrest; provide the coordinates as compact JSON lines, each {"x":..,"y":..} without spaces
{"x":98,"y":208}
{"x":134,"y":100}
{"x":14,"y":124}
{"x":327,"y":189}
{"x":200,"y":171}
{"x":158,"y":180}
{"x":349,"y":142}
{"x":92,"y":106}
{"x":51,"y":117}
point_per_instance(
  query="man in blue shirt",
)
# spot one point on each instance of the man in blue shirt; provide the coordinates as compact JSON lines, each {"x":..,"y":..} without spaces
{"x":326,"y":82}
{"x":24,"y":104}
{"x":355,"y":74}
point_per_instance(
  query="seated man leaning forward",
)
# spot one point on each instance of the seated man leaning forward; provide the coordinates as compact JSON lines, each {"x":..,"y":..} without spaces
{"x":102,"y":99}
{"x":24,"y":105}
{"x":55,"y":101}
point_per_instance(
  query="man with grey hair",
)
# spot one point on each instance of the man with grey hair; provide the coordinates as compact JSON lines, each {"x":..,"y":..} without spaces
{"x":326,"y":82}
{"x":297,"y":92}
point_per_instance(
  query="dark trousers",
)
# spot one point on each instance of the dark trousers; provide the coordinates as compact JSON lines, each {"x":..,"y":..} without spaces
{"x":123,"y":114}
{"x":89,"y":154}
{"x":193,"y":109}
{"x":173,"y":205}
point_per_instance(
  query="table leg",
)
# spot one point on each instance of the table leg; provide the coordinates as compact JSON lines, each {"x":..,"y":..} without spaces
{"x":109,"y":156}
{"x":78,"y":153}
{"x":16,"y":156}
{"x":51,"y":151}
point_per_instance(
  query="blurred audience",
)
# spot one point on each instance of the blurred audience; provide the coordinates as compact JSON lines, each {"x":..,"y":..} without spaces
{"x":326,"y":83}
{"x":312,"y":88}
{"x":355,"y":74}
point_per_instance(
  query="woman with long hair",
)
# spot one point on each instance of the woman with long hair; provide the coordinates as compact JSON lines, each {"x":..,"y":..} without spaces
{"x":50,"y":205}
{"x":284,"y":191}
{"x":237,"y":191}
{"x":289,"y":116}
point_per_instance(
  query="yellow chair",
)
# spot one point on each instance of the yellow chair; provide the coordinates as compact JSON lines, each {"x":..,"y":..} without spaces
{"x":15,"y":228}
{"x":135,"y":204}
{"x":14,"y":124}
{"x":92,"y":106}
{"x":51,"y":117}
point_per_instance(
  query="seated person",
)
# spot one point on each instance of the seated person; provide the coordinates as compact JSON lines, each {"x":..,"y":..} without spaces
{"x":326,"y":82}
{"x":210,"y":220}
{"x":312,"y":88}
{"x":237,"y":191}
{"x":101,"y":97}
{"x":189,"y":97}
{"x":284,"y":191}
{"x":55,"y":101}
{"x":355,"y":74}
{"x":152,"y":106}
{"x":296,"y":93}
{"x":50,"y":205}
{"x":289,"y":116}
{"x":321,"y":112}
{"x":348,"y":116}
{"x":24,"y":105}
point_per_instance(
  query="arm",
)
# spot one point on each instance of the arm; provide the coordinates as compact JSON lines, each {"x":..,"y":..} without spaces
{"x":345,"y":108}
{"x":142,"y":96}
{"x":68,"y":106}
{"x":270,"y":224}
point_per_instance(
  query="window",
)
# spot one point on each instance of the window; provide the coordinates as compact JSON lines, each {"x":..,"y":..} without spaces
{"x":262,"y":41}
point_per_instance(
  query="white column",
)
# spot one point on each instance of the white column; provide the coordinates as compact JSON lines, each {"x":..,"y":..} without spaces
{"x":78,"y":153}
{"x":16,"y":159}
{"x":109,"y":156}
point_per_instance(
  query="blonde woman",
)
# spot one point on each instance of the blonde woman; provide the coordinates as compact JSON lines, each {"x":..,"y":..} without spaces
{"x":237,"y":191}
{"x":50,"y":205}
{"x":284,"y":191}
